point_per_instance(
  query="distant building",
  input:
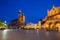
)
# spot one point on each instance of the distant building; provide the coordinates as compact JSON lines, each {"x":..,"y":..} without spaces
{"x":31,"y":26}
{"x":17,"y":23}
{"x":52,"y":20}
{"x":14,"y":24}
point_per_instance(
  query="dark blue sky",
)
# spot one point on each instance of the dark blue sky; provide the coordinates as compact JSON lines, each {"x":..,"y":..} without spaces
{"x":32,"y":9}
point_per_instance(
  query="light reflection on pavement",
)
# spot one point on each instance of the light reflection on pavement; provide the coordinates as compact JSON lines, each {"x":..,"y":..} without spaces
{"x":10,"y":34}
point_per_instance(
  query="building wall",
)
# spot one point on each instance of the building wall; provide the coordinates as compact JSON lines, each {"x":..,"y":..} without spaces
{"x":52,"y":18}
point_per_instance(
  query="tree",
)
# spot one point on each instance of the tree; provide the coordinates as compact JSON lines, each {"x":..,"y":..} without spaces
{"x":2,"y":24}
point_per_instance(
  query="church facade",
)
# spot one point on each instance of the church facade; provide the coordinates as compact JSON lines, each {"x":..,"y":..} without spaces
{"x":19,"y":22}
{"x":52,"y":20}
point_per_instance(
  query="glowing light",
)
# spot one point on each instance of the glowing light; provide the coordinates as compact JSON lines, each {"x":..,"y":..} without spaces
{"x":5,"y":21}
{"x":20,"y":11}
{"x":5,"y":30}
{"x":4,"y":34}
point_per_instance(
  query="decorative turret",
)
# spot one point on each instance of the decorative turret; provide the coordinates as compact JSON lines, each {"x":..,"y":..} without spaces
{"x":20,"y":13}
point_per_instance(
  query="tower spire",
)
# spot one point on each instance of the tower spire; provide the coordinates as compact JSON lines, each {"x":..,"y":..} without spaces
{"x":19,"y":11}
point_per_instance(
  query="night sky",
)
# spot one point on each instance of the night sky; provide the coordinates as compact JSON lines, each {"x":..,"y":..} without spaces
{"x":32,"y":9}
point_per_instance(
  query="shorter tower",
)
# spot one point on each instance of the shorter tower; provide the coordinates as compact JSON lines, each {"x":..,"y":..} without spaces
{"x":39,"y":24}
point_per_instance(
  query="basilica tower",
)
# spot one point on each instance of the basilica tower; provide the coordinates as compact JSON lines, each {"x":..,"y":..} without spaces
{"x":21,"y":17}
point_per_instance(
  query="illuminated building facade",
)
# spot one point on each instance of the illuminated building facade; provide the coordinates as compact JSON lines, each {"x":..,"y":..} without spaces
{"x":31,"y":26}
{"x":52,"y":20}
